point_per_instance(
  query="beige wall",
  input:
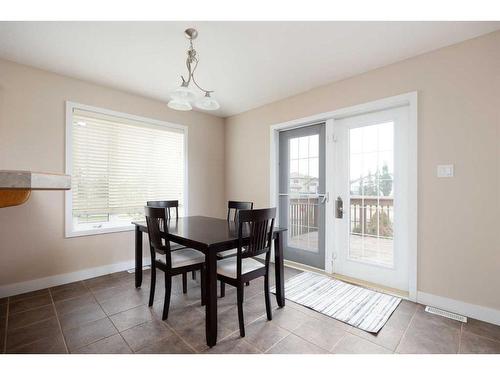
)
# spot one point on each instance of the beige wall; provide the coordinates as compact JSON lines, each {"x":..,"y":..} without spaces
{"x":32,"y":130}
{"x":459,"y":120}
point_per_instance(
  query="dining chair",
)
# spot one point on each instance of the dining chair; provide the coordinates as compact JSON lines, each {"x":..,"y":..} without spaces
{"x":234,"y":206}
{"x":169,"y":207}
{"x":255,"y":231}
{"x":172,"y":263}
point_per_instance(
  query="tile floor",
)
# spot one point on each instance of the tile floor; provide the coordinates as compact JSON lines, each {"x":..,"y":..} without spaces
{"x":108,"y":315}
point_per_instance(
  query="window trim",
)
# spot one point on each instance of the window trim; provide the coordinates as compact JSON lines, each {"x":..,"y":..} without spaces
{"x":68,"y":199}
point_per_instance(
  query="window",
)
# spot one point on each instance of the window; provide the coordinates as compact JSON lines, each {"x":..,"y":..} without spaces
{"x":117,"y":162}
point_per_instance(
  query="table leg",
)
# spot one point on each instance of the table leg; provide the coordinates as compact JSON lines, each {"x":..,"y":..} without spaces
{"x":138,"y":257}
{"x":211,"y":297}
{"x":279,"y":269}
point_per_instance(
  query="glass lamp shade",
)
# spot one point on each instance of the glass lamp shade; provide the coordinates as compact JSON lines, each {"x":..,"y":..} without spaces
{"x":207,"y":103}
{"x":179,"y":105}
{"x":183,"y":93}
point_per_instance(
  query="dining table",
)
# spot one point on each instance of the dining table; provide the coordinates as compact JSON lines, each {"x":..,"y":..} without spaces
{"x":210,"y":236}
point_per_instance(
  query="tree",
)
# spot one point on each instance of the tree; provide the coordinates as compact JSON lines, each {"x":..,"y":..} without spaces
{"x":383,"y":222}
{"x":370,"y":185}
{"x":385,"y":181}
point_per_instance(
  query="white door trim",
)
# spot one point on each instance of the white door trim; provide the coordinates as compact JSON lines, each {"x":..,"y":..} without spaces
{"x":409,"y":99}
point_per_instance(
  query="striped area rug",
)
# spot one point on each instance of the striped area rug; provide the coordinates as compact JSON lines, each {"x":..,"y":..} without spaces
{"x":362,"y":308}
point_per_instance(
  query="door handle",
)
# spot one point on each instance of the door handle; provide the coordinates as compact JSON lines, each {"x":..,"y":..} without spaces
{"x":339,"y":208}
{"x":323,"y":198}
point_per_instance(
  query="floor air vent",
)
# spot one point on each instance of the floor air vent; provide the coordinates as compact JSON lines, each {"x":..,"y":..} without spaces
{"x":446,"y":314}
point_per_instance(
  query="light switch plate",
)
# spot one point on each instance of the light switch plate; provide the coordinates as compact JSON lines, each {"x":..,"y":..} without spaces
{"x":445,"y":170}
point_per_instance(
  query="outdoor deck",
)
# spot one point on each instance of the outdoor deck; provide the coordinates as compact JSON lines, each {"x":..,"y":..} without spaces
{"x":367,"y":248}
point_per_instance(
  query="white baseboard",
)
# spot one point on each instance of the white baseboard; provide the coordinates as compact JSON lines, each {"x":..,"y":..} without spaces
{"x":478,"y":312}
{"x":483,"y":313}
{"x":50,"y":281}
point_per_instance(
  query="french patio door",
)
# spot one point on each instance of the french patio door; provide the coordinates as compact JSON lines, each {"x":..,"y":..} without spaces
{"x":302,"y":194}
{"x":370,"y":200}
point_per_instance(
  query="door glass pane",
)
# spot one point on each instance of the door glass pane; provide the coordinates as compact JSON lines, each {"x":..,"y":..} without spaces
{"x":371,"y":201}
{"x":303,"y":221}
{"x":314,"y":146}
{"x":314,"y":170}
{"x":303,"y":147}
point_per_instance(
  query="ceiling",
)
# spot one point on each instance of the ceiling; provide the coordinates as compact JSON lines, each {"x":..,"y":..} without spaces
{"x":248,"y":64}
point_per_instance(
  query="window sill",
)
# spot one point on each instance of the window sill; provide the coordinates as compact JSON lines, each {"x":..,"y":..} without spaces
{"x":70,"y":233}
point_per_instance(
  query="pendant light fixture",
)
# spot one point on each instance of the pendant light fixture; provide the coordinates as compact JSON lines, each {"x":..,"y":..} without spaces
{"x":183,"y":97}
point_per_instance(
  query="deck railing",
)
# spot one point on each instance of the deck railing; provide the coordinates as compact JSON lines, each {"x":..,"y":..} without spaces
{"x":370,"y":215}
{"x":303,"y":215}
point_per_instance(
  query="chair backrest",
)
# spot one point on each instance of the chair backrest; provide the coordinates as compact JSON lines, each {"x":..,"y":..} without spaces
{"x":255,"y":233}
{"x":156,"y":219}
{"x":167,"y":206}
{"x":237,"y":206}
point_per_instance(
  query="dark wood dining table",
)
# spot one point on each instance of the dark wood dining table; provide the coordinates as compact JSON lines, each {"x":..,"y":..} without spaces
{"x":210,"y":235}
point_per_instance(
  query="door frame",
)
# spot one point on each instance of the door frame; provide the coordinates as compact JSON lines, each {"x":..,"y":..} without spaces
{"x":408,"y":99}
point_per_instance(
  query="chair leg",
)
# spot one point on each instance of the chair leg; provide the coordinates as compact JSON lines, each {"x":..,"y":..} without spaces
{"x":184,"y":283}
{"x":193,"y":275}
{"x":203,"y":287}
{"x":240,"y":310}
{"x":247,"y":283}
{"x":168,"y":290}
{"x":222,"y":289}
{"x":153,"y":284}
{"x":267,"y":297}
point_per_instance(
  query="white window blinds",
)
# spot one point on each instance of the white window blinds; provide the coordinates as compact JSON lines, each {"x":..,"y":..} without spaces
{"x":118,"y":164}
